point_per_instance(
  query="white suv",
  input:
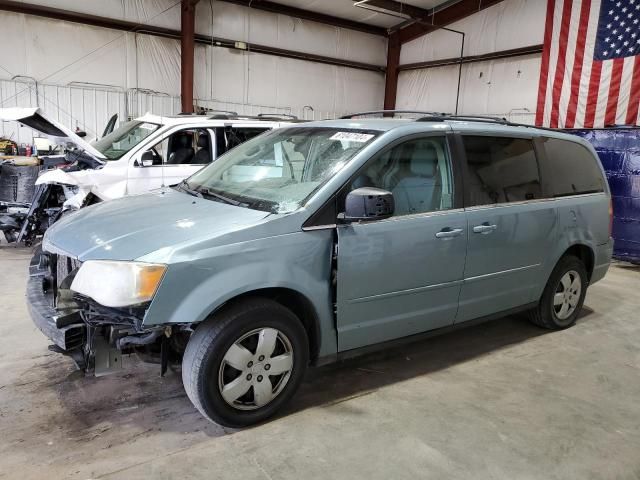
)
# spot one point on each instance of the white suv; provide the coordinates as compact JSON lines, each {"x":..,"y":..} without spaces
{"x":140,"y":155}
{"x":146,"y":153}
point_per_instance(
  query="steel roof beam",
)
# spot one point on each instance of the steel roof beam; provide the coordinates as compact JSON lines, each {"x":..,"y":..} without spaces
{"x":303,"y":14}
{"x":123,"y":25}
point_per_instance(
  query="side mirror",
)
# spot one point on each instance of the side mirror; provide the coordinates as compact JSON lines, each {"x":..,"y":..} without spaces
{"x":368,"y":203}
{"x":147,"y":159}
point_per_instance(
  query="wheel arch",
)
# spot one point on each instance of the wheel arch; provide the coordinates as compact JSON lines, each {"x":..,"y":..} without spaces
{"x":295,"y":301}
{"x":584,"y":253}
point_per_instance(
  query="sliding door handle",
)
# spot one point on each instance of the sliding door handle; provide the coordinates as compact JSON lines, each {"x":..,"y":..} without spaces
{"x":484,"y":228}
{"x":449,"y":233}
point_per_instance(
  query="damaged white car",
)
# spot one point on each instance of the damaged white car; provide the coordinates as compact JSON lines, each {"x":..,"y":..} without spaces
{"x":140,"y":155}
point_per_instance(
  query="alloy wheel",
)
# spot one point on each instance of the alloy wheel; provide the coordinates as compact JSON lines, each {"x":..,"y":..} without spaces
{"x":255,"y":369}
{"x":567,"y":295}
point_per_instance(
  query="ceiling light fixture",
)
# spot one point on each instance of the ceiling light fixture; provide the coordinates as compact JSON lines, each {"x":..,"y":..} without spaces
{"x":364,"y":4}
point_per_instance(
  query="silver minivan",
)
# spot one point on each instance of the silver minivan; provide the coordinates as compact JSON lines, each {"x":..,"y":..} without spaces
{"x":322,"y":240}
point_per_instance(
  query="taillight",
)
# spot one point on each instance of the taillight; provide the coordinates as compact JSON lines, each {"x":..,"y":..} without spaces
{"x":610,"y":217}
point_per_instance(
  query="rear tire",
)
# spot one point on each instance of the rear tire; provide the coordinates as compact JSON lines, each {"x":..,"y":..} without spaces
{"x":563,"y":295}
{"x":245,"y":362}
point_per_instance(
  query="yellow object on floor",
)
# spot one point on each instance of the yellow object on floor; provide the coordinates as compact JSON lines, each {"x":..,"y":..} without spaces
{"x":20,"y":161}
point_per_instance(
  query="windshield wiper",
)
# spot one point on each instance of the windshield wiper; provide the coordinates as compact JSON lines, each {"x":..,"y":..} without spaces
{"x":205,"y":191}
{"x":184,"y":186}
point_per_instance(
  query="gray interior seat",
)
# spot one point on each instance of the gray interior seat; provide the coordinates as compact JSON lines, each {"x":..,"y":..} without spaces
{"x":183,"y":152}
{"x":416,"y":188}
{"x":203,"y":155}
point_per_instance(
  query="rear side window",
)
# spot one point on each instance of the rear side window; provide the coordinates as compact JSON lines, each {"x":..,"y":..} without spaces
{"x":572,"y":169}
{"x":229,"y":137}
{"x":501,"y":170}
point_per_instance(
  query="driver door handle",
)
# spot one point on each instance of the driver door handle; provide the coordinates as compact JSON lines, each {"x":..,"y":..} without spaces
{"x":484,"y":228}
{"x":449,"y":232}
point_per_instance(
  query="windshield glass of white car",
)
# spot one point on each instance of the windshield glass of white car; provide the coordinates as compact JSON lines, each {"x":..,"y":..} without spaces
{"x":124,"y":138}
{"x":277,"y":171}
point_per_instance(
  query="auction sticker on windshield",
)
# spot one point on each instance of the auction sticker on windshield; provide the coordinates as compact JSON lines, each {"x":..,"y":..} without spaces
{"x":352,"y":136}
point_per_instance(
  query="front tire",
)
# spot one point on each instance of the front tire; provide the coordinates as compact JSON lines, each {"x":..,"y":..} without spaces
{"x":563,"y":296}
{"x":245,"y":362}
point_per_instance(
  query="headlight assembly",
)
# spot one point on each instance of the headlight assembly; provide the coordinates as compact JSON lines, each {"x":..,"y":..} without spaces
{"x":118,"y":284}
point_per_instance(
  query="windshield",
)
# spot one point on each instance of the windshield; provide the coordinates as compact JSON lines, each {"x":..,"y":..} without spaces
{"x":278,"y":170}
{"x":124,"y":138}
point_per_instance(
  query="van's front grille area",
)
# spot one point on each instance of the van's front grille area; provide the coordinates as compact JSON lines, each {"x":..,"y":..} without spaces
{"x":48,"y":274}
{"x":56,"y":269}
{"x":64,"y":266}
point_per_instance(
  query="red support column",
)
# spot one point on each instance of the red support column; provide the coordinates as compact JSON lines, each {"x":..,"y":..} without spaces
{"x":391,"y":81}
{"x":187,"y":42}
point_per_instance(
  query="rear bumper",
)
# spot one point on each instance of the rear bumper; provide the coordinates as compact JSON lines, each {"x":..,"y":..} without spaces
{"x":67,"y":332}
{"x":602,"y":261}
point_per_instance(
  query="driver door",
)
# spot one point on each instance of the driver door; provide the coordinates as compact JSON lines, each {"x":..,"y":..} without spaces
{"x":402,"y":275}
{"x":177,"y":156}
{"x":143,"y":178}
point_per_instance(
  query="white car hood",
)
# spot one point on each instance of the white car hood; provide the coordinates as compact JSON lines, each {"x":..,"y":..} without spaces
{"x":36,"y":119}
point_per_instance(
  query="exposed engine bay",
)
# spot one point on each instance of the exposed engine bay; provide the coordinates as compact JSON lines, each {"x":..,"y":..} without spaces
{"x":56,"y":192}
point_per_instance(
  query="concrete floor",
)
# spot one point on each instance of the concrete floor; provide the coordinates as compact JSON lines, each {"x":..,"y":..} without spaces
{"x":502,"y":400}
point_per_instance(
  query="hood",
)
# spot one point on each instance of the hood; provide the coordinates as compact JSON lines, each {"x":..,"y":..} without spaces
{"x":36,"y":119}
{"x":130,"y":227}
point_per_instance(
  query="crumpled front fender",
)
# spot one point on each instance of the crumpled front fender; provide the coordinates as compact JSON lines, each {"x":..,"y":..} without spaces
{"x":74,"y":197}
{"x":75,"y":201}
{"x":57,"y":176}
{"x":104,"y":184}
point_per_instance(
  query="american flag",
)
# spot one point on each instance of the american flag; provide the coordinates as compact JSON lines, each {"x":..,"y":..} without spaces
{"x":590,"y":74}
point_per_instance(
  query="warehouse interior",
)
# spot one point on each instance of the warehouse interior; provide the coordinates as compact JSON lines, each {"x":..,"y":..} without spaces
{"x":124,"y":57}
{"x":500,"y":398}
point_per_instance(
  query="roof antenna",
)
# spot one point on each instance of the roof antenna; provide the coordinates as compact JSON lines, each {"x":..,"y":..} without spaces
{"x":162,"y":160}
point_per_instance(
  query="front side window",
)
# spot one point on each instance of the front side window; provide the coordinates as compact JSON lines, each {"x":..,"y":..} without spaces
{"x":573,"y":169}
{"x":184,"y":147}
{"x":417,"y":173}
{"x":278,"y":171}
{"x":124,"y":138}
{"x":501,"y":170}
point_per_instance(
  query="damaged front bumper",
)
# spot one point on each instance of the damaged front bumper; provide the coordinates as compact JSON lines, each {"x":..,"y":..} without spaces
{"x":67,"y":331}
{"x":94,"y":336}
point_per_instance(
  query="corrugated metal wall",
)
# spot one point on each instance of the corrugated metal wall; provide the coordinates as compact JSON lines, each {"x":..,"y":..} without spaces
{"x":87,"y":73}
{"x":89,"y":106}
{"x":507,"y":87}
{"x":74,"y":106}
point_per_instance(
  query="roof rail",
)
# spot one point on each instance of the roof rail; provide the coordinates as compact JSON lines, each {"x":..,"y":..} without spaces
{"x":277,"y":115}
{"x":482,"y":118}
{"x":476,"y":118}
{"x":220,"y":114}
{"x":227,"y":112}
{"x":224,"y":115}
{"x":479,"y":118}
{"x":441,"y":117}
{"x":391,"y":113}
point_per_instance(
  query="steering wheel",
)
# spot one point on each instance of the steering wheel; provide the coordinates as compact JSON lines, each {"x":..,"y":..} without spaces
{"x":157,"y":155}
